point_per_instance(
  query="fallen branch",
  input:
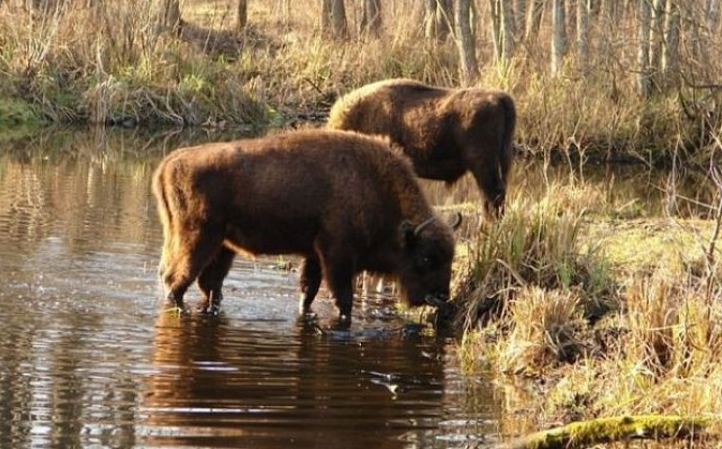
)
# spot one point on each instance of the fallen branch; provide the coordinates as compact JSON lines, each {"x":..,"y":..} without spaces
{"x":606,"y":430}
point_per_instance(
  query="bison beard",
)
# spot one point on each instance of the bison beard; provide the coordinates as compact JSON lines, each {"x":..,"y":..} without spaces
{"x":445,"y":132}
{"x":342,"y":201}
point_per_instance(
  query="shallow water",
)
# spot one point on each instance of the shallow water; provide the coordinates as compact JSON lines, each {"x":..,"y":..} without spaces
{"x":89,"y":358}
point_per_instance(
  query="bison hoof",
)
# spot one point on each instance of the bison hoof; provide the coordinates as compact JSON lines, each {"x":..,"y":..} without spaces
{"x":344,"y":322}
{"x":212,"y":310}
{"x":309,"y":316}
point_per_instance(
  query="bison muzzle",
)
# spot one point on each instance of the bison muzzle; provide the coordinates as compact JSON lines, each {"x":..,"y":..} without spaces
{"x":445,"y":132}
{"x":343,"y":201}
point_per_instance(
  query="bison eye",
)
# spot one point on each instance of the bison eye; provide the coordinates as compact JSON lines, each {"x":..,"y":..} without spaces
{"x":426,"y":262}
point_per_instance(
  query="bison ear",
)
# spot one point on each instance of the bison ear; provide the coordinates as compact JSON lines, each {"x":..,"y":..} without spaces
{"x":455,"y":221}
{"x":407,"y":234}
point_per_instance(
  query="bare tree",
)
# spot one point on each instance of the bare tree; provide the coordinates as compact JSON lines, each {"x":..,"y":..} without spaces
{"x":610,"y":9}
{"x":338,"y":17}
{"x":438,"y":20}
{"x":645,"y":24}
{"x":507,"y":31}
{"x":559,"y":35}
{"x":712,"y":12}
{"x":533,"y":20}
{"x":496,"y":33}
{"x":656,"y":35}
{"x":242,"y":15}
{"x":670,"y":50}
{"x":371,"y":17}
{"x":502,"y":29}
{"x":326,"y":16}
{"x":170,"y":16}
{"x":333,"y":18}
{"x":467,"y":51}
{"x":583,"y":11}
{"x":519,"y":16}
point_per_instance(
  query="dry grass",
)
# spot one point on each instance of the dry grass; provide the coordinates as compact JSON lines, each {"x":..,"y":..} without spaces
{"x":654,"y":345}
{"x":119,"y":68}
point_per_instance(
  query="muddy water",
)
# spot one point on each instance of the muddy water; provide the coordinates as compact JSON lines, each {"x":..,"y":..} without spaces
{"x":88,"y":357}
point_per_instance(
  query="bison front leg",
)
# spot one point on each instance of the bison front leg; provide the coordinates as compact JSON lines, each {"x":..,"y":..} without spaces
{"x":310,"y":282}
{"x":339,"y":277}
{"x":211,"y":279}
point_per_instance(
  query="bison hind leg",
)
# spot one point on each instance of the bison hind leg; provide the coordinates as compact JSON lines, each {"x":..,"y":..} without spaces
{"x":492,"y":184}
{"x":185,"y":263}
{"x":211,"y":279}
{"x":310,"y":282}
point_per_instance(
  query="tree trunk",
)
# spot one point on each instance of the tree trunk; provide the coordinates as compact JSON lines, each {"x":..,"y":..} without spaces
{"x":467,"y":51}
{"x":583,"y":10}
{"x":610,"y":9}
{"x":333,"y":19}
{"x":533,"y":20}
{"x":326,"y":17}
{"x":519,"y":16}
{"x":496,"y":32}
{"x":371,"y":17}
{"x":559,"y":36}
{"x":242,"y":15}
{"x":712,"y":12}
{"x":338,"y":16}
{"x":439,"y":18}
{"x":645,"y":20}
{"x":170,"y":16}
{"x":656,"y":37}
{"x":507,"y":31}
{"x":670,"y":51}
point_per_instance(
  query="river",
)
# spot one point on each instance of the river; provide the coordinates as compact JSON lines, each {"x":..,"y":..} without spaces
{"x":90,"y":358}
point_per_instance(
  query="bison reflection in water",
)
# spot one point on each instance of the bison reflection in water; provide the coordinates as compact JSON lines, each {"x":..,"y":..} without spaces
{"x":343,"y":201}
{"x":445,"y":132}
{"x":232,"y":383}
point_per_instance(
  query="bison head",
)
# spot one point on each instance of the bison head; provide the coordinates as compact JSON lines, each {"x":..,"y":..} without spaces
{"x":427,"y":250}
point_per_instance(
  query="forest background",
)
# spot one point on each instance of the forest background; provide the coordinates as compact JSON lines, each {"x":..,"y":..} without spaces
{"x":626,"y":79}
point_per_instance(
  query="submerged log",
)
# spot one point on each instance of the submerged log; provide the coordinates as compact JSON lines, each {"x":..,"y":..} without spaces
{"x":607,"y":430}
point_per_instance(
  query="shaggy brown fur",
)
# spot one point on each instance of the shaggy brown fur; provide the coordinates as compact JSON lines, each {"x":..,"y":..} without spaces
{"x":342,"y":200}
{"x":445,"y":132}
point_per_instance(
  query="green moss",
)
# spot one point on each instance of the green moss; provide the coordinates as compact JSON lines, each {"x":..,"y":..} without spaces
{"x":585,"y":433}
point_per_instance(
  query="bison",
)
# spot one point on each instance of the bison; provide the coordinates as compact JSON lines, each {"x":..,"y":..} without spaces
{"x":445,"y":132}
{"x":343,"y":201}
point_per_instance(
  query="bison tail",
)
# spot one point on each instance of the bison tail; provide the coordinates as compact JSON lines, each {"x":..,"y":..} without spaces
{"x":164,"y":214}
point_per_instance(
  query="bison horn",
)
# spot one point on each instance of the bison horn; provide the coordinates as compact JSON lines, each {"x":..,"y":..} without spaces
{"x":423,"y":224}
{"x":456,"y":221}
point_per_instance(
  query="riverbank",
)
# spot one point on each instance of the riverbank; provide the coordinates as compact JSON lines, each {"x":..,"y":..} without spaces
{"x":118,"y":69}
{"x":581,"y":312}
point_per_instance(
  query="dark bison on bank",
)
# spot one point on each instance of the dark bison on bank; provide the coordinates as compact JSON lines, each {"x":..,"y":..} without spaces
{"x":445,"y":132}
{"x":343,"y":201}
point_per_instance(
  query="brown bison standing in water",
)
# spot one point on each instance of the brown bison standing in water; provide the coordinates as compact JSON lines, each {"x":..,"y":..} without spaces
{"x":343,"y":201}
{"x":445,"y":132}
